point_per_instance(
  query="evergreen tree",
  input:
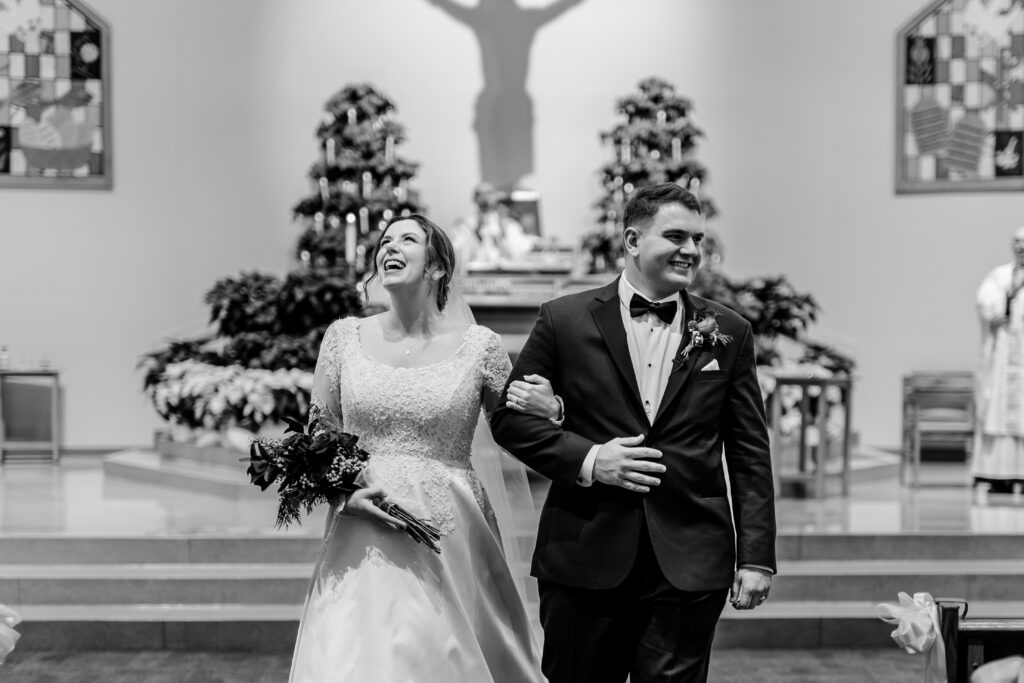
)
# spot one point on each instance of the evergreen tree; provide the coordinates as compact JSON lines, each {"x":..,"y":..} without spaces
{"x":256,"y":366}
{"x":654,"y":142}
{"x":359,"y":183}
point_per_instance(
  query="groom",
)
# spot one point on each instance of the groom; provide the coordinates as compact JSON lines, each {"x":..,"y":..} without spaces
{"x":641,"y":539}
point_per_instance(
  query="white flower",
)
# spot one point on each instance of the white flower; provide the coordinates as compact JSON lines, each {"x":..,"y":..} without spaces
{"x":218,"y":394}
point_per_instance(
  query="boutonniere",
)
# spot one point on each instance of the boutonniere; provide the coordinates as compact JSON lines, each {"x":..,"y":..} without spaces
{"x":704,"y":332}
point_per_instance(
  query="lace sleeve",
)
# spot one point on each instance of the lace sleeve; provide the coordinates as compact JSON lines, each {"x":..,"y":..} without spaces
{"x":496,"y":369}
{"x":325,"y":404}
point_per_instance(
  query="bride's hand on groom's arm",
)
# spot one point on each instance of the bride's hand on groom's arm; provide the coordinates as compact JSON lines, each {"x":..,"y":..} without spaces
{"x":624,"y":462}
{"x":362,"y":503}
{"x":533,"y":395}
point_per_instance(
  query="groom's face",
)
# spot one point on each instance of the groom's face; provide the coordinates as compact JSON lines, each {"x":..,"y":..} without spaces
{"x":667,"y":253}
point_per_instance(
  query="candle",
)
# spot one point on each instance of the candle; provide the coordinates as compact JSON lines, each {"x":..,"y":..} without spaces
{"x":364,"y":221}
{"x":324,"y":193}
{"x":662,"y":117}
{"x":655,"y":154}
{"x":352,"y":116}
{"x":388,"y":213}
{"x":626,"y":151}
{"x":400,"y":191}
{"x":350,"y":238}
{"x":677,"y":149}
{"x":695,"y":187}
{"x":318,"y":222}
{"x":389,"y":148}
{"x":304,"y":257}
{"x":332,"y":152}
{"x":367,"y":184}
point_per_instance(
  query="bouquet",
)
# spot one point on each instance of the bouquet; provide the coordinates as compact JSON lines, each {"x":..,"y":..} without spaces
{"x":316,"y":466}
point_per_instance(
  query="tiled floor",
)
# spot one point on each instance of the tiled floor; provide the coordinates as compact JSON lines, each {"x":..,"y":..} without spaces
{"x":75,"y":498}
{"x":730,"y":666}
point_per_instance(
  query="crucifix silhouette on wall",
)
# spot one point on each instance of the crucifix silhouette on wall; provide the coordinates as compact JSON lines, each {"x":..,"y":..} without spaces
{"x":504,"y":111}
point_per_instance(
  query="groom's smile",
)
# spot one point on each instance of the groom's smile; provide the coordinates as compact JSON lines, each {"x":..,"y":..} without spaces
{"x":667,"y":253}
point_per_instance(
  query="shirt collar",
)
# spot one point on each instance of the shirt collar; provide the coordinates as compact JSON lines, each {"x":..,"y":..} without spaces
{"x":627,"y":290}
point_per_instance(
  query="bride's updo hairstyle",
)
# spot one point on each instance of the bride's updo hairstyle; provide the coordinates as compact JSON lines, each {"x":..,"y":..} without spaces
{"x":440,"y":255}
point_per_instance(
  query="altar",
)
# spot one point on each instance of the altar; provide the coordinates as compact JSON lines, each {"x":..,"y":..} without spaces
{"x":507,"y":301}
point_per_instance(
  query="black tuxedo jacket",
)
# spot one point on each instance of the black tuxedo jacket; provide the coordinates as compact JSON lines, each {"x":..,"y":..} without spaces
{"x":588,"y":536}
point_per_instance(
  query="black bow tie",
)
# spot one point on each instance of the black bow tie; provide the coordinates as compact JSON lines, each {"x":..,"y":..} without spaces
{"x":666,"y":310}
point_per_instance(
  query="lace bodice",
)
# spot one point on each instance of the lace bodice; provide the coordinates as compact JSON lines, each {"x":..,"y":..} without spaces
{"x":416,"y":423}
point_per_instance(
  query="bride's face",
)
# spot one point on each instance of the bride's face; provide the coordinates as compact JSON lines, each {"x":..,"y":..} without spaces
{"x":402,"y":255}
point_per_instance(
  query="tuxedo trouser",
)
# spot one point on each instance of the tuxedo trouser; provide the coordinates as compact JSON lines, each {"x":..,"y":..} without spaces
{"x":644,"y":628}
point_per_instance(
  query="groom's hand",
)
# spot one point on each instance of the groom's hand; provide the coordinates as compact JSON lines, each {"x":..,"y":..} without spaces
{"x":624,"y":462}
{"x":750,"y":587}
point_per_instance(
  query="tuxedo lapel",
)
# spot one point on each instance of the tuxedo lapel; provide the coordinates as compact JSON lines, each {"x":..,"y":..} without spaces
{"x":609,"y":322}
{"x":681,"y":367}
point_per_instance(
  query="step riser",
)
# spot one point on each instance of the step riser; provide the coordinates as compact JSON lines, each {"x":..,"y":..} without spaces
{"x":899,"y":547}
{"x":48,"y":550}
{"x":222,"y":636}
{"x":213,"y":455}
{"x":170,"y":550}
{"x":96,"y":591}
{"x":886,"y":587}
{"x":190,"y":482}
{"x":279,"y":636}
{"x":79,"y":591}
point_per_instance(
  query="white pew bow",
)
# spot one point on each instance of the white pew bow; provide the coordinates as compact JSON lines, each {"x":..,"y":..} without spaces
{"x":8,"y":636}
{"x":917,"y":631}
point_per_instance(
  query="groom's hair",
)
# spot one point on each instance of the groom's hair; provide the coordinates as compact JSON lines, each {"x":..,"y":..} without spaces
{"x":440,"y":254}
{"x":643,"y":206}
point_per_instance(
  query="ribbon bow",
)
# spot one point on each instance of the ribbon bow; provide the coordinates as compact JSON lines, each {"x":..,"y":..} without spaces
{"x":917,"y":631}
{"x":1005,"y":670}
{"x":8,"y":636}
{"x":666,"y":310}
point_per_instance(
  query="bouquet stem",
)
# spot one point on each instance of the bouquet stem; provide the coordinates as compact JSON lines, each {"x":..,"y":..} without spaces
{"x":419,"y":530}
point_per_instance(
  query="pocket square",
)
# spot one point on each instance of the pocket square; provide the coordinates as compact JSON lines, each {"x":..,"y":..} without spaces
{"x":713,"y":365}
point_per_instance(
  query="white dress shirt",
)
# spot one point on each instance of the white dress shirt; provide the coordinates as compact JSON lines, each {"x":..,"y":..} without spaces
{"x":652,"y":345}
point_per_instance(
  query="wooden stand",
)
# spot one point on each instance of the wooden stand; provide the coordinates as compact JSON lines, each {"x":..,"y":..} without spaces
{"x":818,"y":454}
{"x":52,"y":446}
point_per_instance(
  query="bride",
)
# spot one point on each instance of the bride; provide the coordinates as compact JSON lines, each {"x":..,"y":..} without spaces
{"x":410,"y":383}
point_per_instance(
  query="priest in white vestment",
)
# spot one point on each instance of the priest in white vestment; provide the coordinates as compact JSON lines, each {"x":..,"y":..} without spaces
{"x":999,"y":436}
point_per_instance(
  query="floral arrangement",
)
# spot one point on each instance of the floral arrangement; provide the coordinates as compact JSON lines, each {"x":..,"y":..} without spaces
{"x":199,"y":395}
{"x":317,"y":466}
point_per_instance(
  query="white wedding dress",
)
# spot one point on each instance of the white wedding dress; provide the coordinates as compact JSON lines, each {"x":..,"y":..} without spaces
{"x":382,"y":608}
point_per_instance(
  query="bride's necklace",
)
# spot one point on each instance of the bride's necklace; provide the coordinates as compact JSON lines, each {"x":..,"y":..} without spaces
{"x":422,"y":345}
{"x":410,"y":344}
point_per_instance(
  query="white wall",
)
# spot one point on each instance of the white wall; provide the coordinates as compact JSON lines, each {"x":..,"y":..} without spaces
{"x":216,"y":103}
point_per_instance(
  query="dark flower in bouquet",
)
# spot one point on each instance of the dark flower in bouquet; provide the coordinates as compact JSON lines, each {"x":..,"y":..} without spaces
{"x":318,"y":466}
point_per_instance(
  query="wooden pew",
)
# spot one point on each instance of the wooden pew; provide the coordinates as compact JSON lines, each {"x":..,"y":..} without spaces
{"x":973,"y":642}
